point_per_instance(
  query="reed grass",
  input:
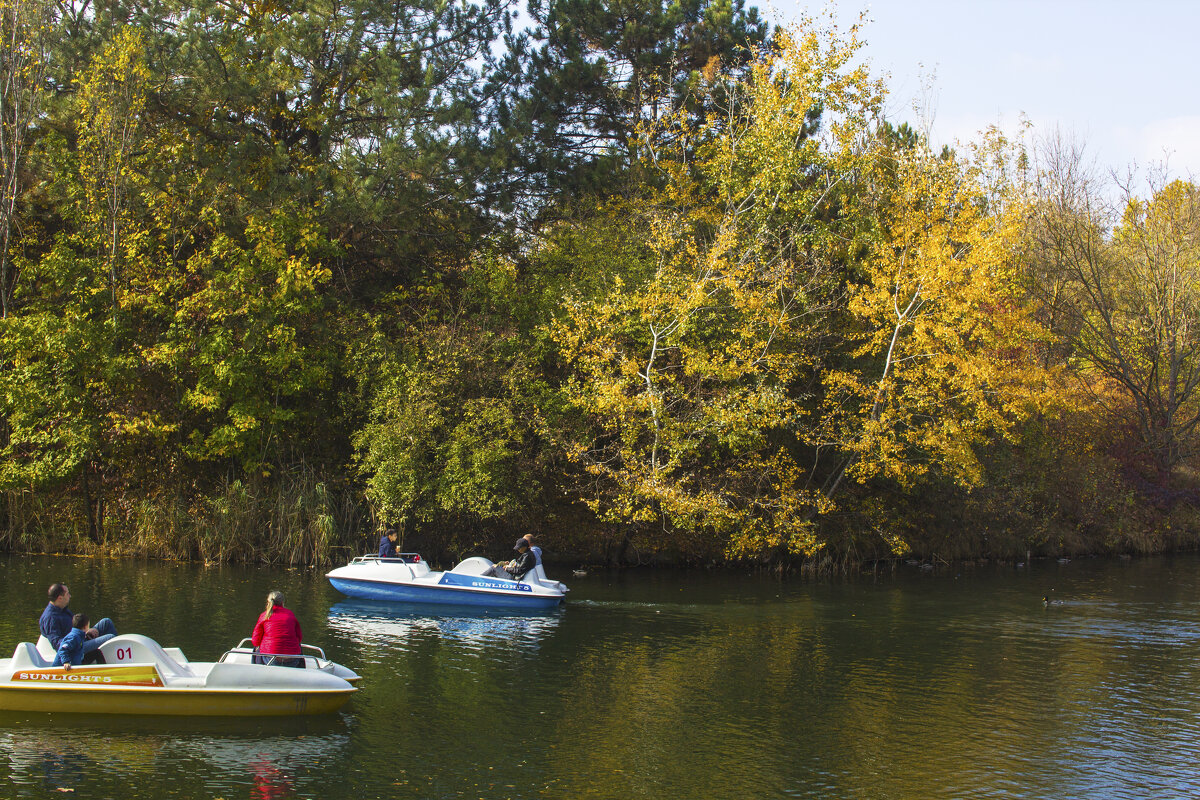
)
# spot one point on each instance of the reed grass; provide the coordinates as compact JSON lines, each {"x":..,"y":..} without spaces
{"x":296,"y":518}
{"x":39,"y":523}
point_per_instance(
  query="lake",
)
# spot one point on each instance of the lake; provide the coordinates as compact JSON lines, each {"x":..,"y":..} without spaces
{"x":953,"y":683}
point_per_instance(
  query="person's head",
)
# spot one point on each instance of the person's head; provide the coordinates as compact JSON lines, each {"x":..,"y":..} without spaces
{"x":392,"y":533}
{"x":529,"y":538}
{"x":80,"y":620}
{"x":274,"y":600}
{"x":59,"y":594}
{"x":521,"y":546}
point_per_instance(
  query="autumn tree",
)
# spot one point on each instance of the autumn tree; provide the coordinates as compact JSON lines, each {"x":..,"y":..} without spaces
{"x":940,"y":354}
{"x":691,"y":364}
{"x":1124,"y":289}
{"x":809,"y":311}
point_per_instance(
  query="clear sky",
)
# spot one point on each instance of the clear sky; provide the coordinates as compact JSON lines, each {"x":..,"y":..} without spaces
{"x":1122,"y":77}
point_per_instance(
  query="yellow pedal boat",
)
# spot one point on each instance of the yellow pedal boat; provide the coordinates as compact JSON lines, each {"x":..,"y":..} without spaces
{"x":142,"y":677}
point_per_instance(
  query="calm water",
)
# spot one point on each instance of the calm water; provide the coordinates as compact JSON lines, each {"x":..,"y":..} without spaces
{"x":955,"y":684}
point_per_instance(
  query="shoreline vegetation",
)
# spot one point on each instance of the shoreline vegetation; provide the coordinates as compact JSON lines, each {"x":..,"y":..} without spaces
{"x":664,"y":291}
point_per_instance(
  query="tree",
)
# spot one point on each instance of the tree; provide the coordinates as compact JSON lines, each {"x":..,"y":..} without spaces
{"x":66,"y":351}
{"x":692,"y":365}
{"x":24,"y":27}
{"x":1125,"y":292}
{"x":367,"y":110}
{"x":458,"y":404}
{"x":162,"y":329}
{"x":940,"y":354}
{"x":812,"y":309}
{"x":590,"y":78}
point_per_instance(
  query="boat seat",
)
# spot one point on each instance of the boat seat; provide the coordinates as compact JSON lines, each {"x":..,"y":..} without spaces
{"x":538,"y":575}
{"x":46,"y":649}
{"x":26,"y":656}
{"x":475,"y":565}
{"x":134,"y":648}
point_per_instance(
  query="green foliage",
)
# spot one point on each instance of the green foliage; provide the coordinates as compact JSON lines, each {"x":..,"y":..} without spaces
{"x":458,"y":408}
{"x":645,"y":277}
{"x":592,"y":78}
{"x":255,"y":363}
{"x":366,"y":109}
{"x":139,"y":346}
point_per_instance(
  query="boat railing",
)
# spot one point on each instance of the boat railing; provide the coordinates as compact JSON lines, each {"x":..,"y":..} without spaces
{"x":401,"y":558}
{"x":247,"y":646}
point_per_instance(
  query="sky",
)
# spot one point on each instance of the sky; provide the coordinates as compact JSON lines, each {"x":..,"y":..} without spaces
{"x":1120,"y":77}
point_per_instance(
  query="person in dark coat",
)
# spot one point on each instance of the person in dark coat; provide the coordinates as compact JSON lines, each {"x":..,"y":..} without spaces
{"x":519,"y":566}
{"x":387,"y":544}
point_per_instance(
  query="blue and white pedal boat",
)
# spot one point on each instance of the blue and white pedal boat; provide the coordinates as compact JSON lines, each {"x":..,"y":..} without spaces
{"x":408,"y":579}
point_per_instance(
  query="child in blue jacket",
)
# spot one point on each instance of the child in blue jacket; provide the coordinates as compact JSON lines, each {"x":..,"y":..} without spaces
{"x":70,"y":649}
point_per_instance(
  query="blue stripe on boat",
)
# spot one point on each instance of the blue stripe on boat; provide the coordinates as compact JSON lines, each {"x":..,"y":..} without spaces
{"x":443,"y":594}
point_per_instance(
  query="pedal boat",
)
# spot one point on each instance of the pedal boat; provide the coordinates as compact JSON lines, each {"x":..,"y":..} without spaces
{"x":142,"y":677}
{"x":408,"y":579}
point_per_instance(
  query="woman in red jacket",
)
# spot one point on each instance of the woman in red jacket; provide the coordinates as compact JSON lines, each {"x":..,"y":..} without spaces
{"x":277,"y":633}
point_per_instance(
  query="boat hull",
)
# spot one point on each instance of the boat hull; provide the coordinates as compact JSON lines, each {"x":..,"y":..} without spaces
{"x":439,"y":594}
{"x":170,"y":702}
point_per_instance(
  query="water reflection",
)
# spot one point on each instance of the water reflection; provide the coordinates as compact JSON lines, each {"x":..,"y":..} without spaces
{"x":94,"y":751}
{"x":652,"y":684}
{"x":374,"y":625}
{"x":45,"y":759}
{"x":267,"y":757}
{"x":60,"y":760}
{"x":270,"y":782}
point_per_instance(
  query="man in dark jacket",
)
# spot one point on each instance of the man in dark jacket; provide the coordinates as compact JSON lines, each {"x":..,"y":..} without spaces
{"x":55,"y":623}
{"x":387,"y":544}
{"x":524,"y":561}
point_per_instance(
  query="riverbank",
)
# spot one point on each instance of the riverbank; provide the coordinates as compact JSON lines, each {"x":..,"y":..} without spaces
{"x":286,"y":550}
{"x":302,"y":518}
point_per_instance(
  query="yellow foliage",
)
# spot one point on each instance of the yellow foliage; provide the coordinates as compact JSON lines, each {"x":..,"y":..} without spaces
{"x":944,"y":353}
{"x":687,"y":365}
{"x":691,"y":367}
